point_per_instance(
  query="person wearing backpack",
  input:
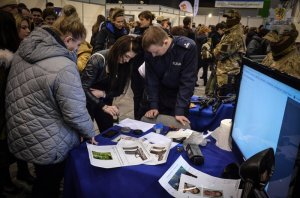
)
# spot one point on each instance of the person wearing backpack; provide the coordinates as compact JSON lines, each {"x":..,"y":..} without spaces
{"x":113,"y":30}
{"x":204,"y":54}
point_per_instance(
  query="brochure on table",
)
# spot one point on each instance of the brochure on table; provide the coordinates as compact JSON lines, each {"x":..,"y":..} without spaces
{"x":151,"y":149}
{"x":125,"y":153}
{"x":182,"y":180}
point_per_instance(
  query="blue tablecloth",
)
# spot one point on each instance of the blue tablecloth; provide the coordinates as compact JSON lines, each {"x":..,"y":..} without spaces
{"x":84,"y":180}
{"x":205,"y":119}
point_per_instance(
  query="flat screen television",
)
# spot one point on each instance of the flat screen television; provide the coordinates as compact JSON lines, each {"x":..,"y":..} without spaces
{"x":268,"y":115}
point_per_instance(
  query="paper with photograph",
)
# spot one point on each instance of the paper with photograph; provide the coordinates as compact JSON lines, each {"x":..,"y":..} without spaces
{"x":171,"y":180}
{"x":134,"y":152}
{"x":200,"y":187}
{"x":158,"y":147}
{"x":125,"y":153}
{"x":104,"y":156}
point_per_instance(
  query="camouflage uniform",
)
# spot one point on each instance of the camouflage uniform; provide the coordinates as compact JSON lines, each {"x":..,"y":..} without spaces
{"x":228,"y":51}
{"x":290,"y":63}
{"x":284,"y":55}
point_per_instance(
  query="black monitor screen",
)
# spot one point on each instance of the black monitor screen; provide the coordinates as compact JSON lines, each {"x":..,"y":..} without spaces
{"x":268,"y":115}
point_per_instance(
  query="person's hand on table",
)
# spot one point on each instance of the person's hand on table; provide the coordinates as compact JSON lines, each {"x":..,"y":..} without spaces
{"x":93,"y":141}
{"x":151,"y":113}
{"x":183,"y":120}
{"x":111,"y":110}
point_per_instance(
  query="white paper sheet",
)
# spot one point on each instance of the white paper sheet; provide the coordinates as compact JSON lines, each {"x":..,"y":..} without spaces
{"x":172,"y":178}
{"x":119,"y":137}
{"x":142,"y":70}
{"x":135,"y":124}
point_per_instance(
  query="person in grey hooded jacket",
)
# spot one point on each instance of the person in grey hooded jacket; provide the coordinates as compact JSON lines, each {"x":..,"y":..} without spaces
{"x":46,"y":105}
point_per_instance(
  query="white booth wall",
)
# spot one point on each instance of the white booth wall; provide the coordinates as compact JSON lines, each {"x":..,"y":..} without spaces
{"x":157,"y":10}
{"x":213,"y":20}
{"x":87,"y":12}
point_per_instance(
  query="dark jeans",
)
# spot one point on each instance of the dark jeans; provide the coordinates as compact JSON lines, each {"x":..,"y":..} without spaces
{"x":103,"y":120}
{"x":48,"y":178}
{"x":6,"y":159}
{"x":138,"y":87}
{"x":204,"y":65}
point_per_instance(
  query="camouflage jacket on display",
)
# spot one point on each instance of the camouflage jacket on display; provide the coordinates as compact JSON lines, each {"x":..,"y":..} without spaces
{"x":289,"y":63}
{"x":229,"y":53}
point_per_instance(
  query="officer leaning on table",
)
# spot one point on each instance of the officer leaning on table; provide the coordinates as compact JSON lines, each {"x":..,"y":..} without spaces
{"x":171,"y":73}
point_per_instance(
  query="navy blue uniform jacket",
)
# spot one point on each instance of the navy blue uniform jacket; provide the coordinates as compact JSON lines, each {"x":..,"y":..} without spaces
{"x":171,"y":78}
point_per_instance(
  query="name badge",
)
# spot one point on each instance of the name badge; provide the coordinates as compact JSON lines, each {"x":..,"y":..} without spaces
{"x":176,"y":63}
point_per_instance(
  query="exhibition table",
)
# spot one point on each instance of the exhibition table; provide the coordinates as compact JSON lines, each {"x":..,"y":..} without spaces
{"x":84,"y":180}
{"x":205,"y":119}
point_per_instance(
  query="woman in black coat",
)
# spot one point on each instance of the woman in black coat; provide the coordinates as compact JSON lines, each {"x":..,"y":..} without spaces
{"x":107,"y":75}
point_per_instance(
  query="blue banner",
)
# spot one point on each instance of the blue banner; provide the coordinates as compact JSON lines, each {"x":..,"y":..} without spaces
{"x":240,"y":3}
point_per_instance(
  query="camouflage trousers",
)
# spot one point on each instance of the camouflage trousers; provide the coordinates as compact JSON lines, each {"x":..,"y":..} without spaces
{"x":226,"y":68}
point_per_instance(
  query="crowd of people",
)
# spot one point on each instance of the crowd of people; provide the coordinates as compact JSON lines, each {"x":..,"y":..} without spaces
{"x":54,"y":83}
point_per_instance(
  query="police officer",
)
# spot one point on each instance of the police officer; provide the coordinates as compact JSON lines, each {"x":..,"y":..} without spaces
{"x":228,"y":52}
{"x":171,"y":73}
{"x":284,"y":55}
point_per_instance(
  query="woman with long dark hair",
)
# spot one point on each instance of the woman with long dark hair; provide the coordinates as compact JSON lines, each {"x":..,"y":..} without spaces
{"x":107,"y":75}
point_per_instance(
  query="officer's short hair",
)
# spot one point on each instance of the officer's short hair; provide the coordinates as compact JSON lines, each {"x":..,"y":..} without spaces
{"x":154,"y":35}
{"x":187,"y":20}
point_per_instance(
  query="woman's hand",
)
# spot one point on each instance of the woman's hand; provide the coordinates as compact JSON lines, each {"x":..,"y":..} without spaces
{"x":112,"y":110}
{"x":98,"y":93}
{"x":93,"y":141}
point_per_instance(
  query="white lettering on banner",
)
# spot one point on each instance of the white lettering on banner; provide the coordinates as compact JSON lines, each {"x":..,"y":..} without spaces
{"x":196,"y":7}
{"x":240,"y":4}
